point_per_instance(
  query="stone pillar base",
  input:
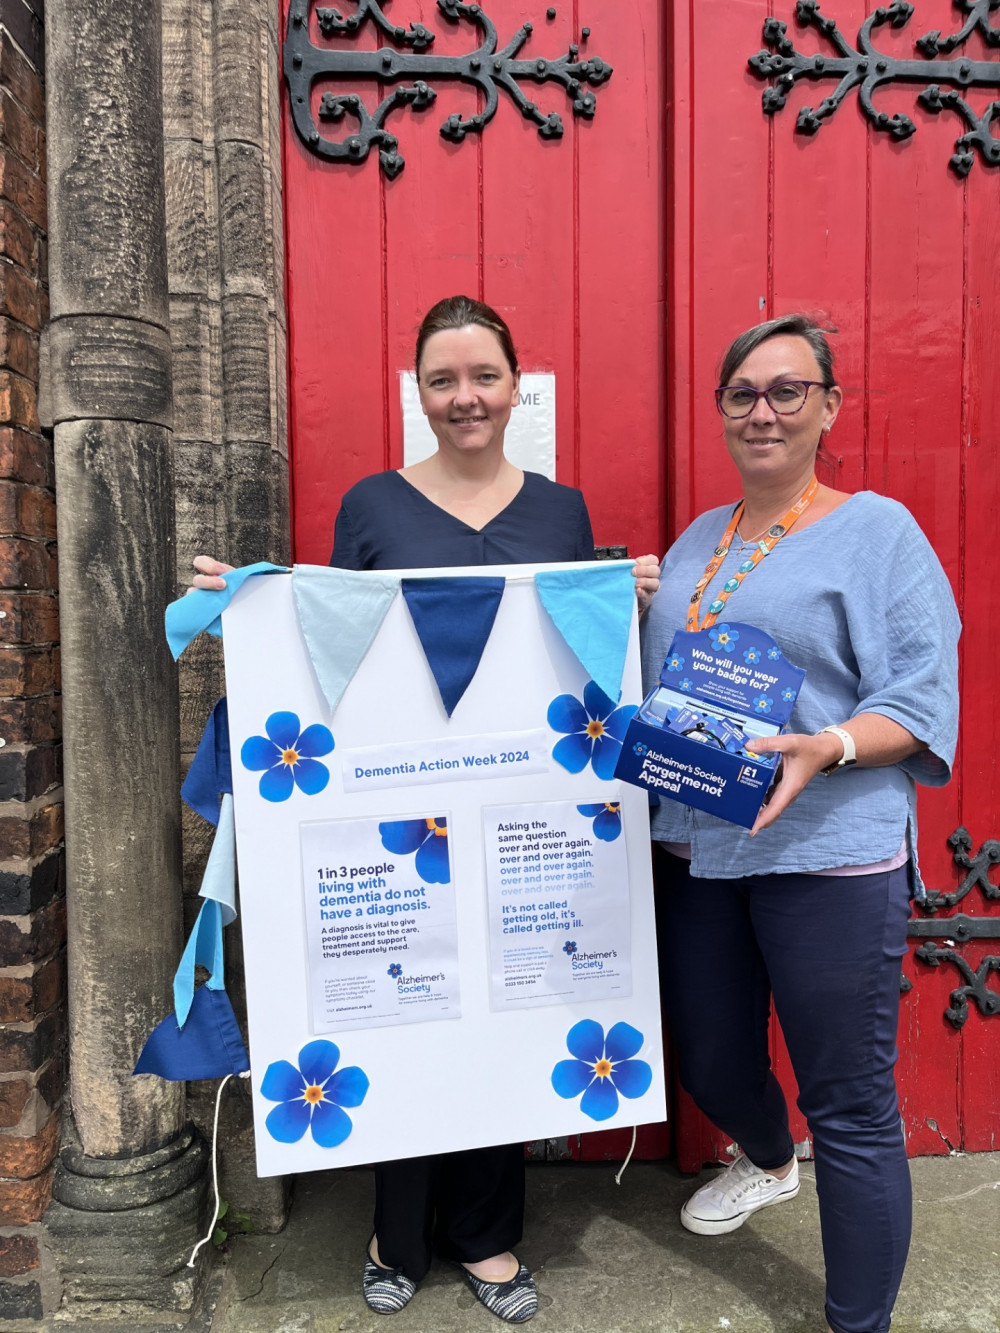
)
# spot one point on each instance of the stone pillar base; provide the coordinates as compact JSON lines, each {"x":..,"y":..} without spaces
{"x":123,"y":1229}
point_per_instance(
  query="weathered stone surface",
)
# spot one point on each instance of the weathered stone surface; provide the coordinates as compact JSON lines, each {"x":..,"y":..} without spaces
{"x":244,"y":220}
{"x":247,"y":364}
{"x":237,"y":73}
{"x":105,"y":159}
{"x":102,"y":1185}
{"x":190,"y":236}
{"x":196,"y":337}
{"x":109,"y":368}
{"x":116,"y":547}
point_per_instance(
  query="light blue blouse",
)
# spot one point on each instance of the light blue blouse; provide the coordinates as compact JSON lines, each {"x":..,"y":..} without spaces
{"x":859,"y":600}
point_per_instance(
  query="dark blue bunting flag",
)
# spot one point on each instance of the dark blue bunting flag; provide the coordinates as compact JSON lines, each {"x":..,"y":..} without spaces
{"x":453,"y":618}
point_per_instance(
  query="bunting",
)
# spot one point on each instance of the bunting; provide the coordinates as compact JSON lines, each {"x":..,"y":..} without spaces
{"x":201,"y":610}
{"x":592,"y":609}
{"x":453,"y":618}
{"x":340,"y":612}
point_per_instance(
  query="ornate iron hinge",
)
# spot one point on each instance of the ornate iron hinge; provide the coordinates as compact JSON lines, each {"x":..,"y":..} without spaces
{"x":486,"y":68}
{"x":960,"y":928}
{"x":867,"y":68}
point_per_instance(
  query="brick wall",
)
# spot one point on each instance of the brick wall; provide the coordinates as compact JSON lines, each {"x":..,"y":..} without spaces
{"x":32,"y":910}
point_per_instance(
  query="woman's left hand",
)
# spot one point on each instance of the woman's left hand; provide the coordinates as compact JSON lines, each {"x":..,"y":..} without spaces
{"x":646,"y":572}
{"x":802,"y":758}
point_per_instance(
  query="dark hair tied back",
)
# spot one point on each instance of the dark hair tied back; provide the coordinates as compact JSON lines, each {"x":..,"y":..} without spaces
{"x":458,"y":312}
{"x":787,"y":326}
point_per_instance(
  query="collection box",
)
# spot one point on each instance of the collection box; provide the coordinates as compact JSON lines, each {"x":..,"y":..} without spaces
{"x":692,"y":739}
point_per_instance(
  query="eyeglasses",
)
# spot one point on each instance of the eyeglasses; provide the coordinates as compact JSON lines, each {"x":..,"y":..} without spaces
{"x":786,"y":398}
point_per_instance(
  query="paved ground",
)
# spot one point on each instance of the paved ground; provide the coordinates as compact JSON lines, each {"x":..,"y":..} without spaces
{"x":612,"y":1259}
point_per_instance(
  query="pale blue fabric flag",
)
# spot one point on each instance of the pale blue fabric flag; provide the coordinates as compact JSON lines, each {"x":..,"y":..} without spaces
{"x":340,"y":612}
{"x":204,"y":948}
{"x":219,"y":880}
{"x":592,"y":610}
{"x":202,"y":609}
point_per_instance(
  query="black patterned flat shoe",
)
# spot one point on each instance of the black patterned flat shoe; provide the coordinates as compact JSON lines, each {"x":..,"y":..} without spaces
{"x":514,"y":1301}
{"x":386,"y":1290}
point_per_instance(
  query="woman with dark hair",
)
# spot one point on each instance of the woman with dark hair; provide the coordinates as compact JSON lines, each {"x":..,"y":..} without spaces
{"x":810,"y":906}
{"x":466,"y":504}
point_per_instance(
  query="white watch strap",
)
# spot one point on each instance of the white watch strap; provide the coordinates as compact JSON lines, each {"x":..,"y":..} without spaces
{"x":850,"y":755}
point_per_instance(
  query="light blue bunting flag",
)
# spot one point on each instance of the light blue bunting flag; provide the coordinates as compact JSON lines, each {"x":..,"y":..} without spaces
{"x":202,"y":609}
{"x":592,"y":610}
{"x":453,"y":618}
{"x":340,"y":612}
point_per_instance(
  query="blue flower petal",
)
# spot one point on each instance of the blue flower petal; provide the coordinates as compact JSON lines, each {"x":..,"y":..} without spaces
{"x":330,"y":1125}
{"x":283,"y":728}
{"x":585,"y":1040}
{"x":606,"y":752}
{"x":573,"y":752}
{"x":431,"y":861}
{"x":259,"y":753}
{"x":608,"y":825}
{"x":348,"y":1087}
{"x":591,"y":810}
{"x":600,"y":1101}
{"x":633,"y":1077}
{"x":617,"y":724}
{"x":311,"y":776}
{"x":318,"y":1060}
{"x":596,"y":701}
{"x":567,"y":714}
{"x":288,"y":1122}
{"x":403,"y":836}
{"x":315,"y":741}
{"x":623,"y":1042}
{"x":282,"y":1082}
{"x":570,"y":1077}
{"x":277,"y":783}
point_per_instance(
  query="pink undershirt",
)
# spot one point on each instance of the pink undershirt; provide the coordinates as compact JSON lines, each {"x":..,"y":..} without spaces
{"x":683,"y":850}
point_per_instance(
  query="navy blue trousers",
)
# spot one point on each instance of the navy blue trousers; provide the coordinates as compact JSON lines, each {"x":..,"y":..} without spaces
{"x":828,"y":949}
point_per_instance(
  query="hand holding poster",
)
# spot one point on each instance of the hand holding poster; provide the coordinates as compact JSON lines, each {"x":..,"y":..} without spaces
{"x":447,"y":911}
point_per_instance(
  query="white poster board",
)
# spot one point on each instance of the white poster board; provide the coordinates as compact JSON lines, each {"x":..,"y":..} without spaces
{"x":425,"y":933}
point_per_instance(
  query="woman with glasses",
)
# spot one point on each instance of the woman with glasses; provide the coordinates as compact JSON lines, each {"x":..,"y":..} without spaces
{"x":809,"y":906}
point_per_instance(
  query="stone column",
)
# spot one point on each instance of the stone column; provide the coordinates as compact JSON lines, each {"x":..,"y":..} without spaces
{"x":128,"y":1192}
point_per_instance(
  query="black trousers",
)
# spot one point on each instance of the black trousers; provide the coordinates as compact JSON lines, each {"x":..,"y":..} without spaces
{"x":469,"y":1205}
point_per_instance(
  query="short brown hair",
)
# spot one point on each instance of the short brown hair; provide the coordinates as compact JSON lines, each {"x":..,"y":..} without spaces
{"x":458,"y":312}
{"x":785,"y":326}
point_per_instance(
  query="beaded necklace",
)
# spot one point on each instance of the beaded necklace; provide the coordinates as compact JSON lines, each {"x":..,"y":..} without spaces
{"x":762,"y":548}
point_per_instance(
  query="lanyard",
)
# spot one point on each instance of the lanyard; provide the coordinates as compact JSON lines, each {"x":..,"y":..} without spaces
{"x":762,"y":548}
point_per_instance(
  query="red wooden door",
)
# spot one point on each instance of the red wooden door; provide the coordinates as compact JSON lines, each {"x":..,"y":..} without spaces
{"x":888,"y":242}
{"x":562,"y":235}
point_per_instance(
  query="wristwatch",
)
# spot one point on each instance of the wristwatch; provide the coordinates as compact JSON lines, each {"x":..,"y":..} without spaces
{"x":850,"y":755}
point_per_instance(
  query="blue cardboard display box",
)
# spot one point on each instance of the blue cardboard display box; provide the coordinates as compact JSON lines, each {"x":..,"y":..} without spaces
{"x":692,"y":739}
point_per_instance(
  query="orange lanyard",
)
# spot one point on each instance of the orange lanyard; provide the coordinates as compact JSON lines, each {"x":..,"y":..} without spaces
{"x":762,"y":548}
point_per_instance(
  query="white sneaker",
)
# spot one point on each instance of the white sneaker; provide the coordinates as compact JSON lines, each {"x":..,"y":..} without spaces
{"x":726,"y":1202}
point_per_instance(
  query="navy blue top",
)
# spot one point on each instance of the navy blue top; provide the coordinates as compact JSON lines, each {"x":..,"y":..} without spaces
{"x":386,"y":523}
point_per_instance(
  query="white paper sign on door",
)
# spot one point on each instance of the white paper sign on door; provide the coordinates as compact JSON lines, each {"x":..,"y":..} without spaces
{"x":557,"y":880}
{"x":380,"y":921}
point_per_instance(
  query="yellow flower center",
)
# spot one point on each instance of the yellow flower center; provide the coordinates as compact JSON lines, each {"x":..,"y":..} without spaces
{"x":603,"y":1069}
{"x":723,"y":638}
{"x":290,"y":757}
{"x":439,"y":830}
{"x":595,"y":729}
{"x":313,"y":1094}
{"x":613,"y":806}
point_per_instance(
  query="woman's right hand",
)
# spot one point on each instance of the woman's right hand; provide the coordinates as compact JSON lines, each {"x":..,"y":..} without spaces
{"x":208,"y":574}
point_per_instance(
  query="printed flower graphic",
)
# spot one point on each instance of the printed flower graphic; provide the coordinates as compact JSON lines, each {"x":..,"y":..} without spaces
{"x":312,"y":1096}
{"x":763,"y":704}
{"x":607,"y":817}
{"x":640,"y":749}
{"x":395,"y":970}
{"x":595,"y":730}
{"x":723,"y":637}
{"x":289,"y":756}
{"x":603,"y":1068}
{"x":675,"y":662}
{"x":569,"y":948}
{"x":687,"y":684}
{"x":428,"y":838}
{"x":751,"y":655}
{"x":788,"y":695}
{"x":774,"y":654}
